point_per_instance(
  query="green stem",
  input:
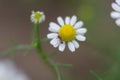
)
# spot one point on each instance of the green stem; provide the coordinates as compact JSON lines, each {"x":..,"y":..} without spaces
{"x":38,"y":46}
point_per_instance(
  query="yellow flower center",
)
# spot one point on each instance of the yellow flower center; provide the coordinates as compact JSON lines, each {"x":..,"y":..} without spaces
{"x":37,"y":15}
{"x":67,"y":33}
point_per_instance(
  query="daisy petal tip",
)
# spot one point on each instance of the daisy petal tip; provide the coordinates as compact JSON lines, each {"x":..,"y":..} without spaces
{"x":82,"y":23}
{"x":79,"y":24}
{"x":52,"y":35}
{"x":67,"y":20}
{"x":72,"y":50}
{"x":74,"y":16}
{"x":61,"y":50}
{"x":62,"y":47}
{"x":117,"y":22}
{"x":48,"y":36}
{"x":73,"y":20}
{"x":76,"y":44}
{"x":84,"y":39}
{"x":60,"y":20}
{"x":81,"y":38}
{"x":71,"y":46}
{"x":53,"y":27}
{"x":115,"y":15}
{"x":116,"y":7}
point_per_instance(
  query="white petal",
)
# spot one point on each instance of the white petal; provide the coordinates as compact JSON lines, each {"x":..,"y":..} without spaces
{"x":75,"y":43}
{"x":117,"y":22}
{"x":81,"y":31}
{"x":118,"y":2}
{"x":55,"y":42}
{"x":67,"y":20}
{"x":71,"y":46}
{"x":73,"y":20}
{"x":115,"y":14}
{"x":60,"y":21}
{"x":116,"y":7}
{"x":62,"y":47}
{"x":52,"y":35}
{"x":79,"y":24}
{"x":54,"y":27}
{"x":80,"y":38}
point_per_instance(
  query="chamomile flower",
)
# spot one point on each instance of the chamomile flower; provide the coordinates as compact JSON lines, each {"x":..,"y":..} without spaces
{"x":116,"y":13}
{"x":8,"y":71}
{"x":37,"y":17}
{"x":67,"y":32}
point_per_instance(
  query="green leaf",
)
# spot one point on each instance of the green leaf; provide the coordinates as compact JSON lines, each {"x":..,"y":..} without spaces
{"x":14,"y":49}
{"x":27,"y":51}
{"x":57,"y":72}
{"x":64,"y":65}
{"x":94,"y":74}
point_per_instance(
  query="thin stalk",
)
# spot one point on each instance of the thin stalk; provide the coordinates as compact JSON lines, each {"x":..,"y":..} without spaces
{"x":38,"y":46}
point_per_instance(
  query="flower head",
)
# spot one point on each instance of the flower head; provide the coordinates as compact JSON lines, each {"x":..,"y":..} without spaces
{"x":116,"y":13}
{"x":37,"y":17}
{"x":8,"y":71}
{"x":66,"y":32}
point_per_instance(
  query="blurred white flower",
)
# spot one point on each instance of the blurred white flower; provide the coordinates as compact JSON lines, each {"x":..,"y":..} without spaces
{"x":67,"y":32}
{"x":8,"y":71}
{"x":116,"y":13}
{"x":37,"y":17}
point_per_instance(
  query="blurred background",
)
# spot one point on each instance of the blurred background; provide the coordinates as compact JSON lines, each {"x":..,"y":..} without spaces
{"x":100,"y":53}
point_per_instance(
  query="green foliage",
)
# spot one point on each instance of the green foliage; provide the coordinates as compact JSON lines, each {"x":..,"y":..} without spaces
{"x":16,"y":48}
{"x":95,"y":75}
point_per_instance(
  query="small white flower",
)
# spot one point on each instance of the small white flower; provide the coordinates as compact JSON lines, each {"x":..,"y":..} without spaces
{"x":116,"y":13}
{"x":66,"y":33}
{"x":37,"y":17}
{"x":8,"y":71}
